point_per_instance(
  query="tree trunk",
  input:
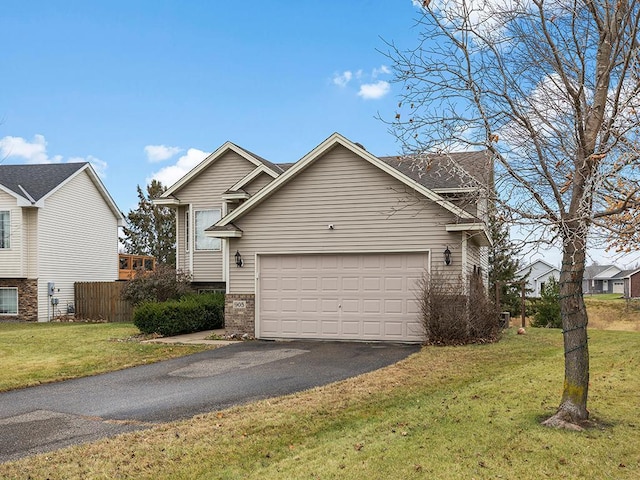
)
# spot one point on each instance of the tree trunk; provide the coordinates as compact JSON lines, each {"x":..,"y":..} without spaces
{"x":573,"y":407}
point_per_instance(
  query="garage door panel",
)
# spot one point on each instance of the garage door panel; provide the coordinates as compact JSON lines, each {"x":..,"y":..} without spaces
{"x":328,"y":305}
{"x":349,"y":296}
{"x":329,"y":284}
{"x":371,"y":284}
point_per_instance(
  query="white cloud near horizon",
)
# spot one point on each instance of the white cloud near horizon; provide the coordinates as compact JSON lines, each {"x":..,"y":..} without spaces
{"x":159,"y":153}
{"x":171,"y":174}
{"x":374,"y":91}
{"x":35,"y":151}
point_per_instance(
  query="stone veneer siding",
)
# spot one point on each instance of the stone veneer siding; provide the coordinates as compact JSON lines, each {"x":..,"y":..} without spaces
{"x":27,"y":299}
{"x":238,"y":320}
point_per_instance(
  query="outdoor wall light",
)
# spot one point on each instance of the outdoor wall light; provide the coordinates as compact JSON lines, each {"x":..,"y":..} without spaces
{"x":447,"y":256}
{"x":239,"y":261}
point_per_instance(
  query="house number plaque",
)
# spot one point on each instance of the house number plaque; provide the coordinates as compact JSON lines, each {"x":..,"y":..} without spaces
{"x":239,"y":304}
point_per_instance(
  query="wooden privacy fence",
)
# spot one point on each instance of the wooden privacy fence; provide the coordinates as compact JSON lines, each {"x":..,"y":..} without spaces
{"x":101,"y":301}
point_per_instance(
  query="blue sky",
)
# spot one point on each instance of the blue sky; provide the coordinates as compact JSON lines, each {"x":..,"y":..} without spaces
{"x":145,"y":89}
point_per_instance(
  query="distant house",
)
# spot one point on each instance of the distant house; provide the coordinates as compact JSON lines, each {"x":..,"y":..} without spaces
{"x":602,"y":279}
{"x":58,"y":226}
{"x":537,"y":274}
{"x":631,"y":282}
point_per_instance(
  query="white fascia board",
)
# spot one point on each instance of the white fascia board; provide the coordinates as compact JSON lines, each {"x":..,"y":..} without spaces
{"x":337,"y":139}
{"x":223,"y":234}
{"x":166,"y":202}
{"x":224,"y":148}
{"x":235,"y":196}
{"x":472,"y":229}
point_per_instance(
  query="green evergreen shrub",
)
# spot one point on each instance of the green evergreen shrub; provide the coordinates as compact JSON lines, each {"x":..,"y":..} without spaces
{"x":547,"y":314}
{"x":191,"y":313}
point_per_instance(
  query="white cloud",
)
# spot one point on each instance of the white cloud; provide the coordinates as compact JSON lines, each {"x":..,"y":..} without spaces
{"x":380,"y":71}
{"x":171,"y":174}
{"x":368,"y":87}
{"x":158,"y":153}
{"x":35,"y":151}
{"x":374,"y":91}
{"x":341,"y":79}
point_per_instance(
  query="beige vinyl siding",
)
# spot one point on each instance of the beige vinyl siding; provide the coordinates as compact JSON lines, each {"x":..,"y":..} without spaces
{"x":182,"y":256}
{"x":12,"y":262}
{"x":257,"y":183}
{"x":78,"y":241}
{"x":204,"y":192}
{"x":370,"y":212}
{"x":473,"y":257}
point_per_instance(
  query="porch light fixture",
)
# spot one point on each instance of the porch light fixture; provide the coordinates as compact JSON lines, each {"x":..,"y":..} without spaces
{"x":447,"y":256}
{"x":239,"y":261}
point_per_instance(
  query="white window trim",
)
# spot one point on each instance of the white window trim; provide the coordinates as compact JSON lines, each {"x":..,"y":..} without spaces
{"x":187,"y":233}
{"x":8,"y":212}
{"x":195,"y":232}
{"x":17,"y":302}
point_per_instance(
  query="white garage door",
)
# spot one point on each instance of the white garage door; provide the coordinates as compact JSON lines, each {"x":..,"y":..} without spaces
{"x":340,"y":297}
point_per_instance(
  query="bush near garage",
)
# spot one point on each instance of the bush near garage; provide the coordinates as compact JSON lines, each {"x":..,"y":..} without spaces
{"x":454,"y":311}
{"x":192,"y":313}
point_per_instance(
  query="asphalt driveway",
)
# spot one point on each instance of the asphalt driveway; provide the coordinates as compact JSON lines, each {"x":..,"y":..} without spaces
{"x":48,"y":417}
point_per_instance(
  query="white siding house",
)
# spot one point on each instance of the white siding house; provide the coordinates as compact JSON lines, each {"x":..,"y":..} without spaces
{"x":536,"y":275}
{"x":64,"y":229}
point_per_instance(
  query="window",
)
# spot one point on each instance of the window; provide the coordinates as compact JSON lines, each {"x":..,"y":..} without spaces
{"x":5,"y":229}
{"x":8,"y":301}
{"x":204,"y":219}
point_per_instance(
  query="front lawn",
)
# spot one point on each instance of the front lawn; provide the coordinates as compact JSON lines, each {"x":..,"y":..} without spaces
{"x":444,"y":413}
{"x":34,"y":353}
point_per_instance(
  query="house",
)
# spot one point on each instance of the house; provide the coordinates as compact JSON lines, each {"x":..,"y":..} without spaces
{"x":329,"y":247}
{"x":602,"y":279}
{"x":536,"y":274}
{"x":58,"y":225}
{"x":631,"y":282}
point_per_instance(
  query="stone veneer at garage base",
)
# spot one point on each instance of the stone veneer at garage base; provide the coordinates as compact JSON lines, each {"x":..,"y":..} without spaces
{"x":27,"y":299}
{"x":240,"y":313}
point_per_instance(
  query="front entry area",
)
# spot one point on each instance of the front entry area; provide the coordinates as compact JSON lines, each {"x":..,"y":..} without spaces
{"x":368,"y":296}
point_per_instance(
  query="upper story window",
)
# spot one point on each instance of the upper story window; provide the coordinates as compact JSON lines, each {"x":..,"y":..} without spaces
{"x":8,"y":301}
{"x":204,"y":219}
{"x":5,"y":229}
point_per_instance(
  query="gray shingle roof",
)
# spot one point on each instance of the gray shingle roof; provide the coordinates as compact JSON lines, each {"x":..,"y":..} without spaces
{"x":453,"y":170}
{"x":273,"y":166}
{"x":36,"y":179}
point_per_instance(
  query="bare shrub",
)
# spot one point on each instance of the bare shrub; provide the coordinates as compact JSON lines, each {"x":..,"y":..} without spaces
{"x":454,"y":315}
{"x":162,"y":284}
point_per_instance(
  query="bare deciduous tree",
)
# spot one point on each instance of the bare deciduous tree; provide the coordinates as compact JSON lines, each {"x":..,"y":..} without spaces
{"x":550,"y":88}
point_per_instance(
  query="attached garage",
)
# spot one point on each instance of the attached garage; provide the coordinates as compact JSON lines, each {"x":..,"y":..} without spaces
{"x":367,"y":296}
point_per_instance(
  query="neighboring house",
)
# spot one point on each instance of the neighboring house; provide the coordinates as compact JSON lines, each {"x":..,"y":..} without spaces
{"x":330,"y":247}
{"x":631,"y":282}
{"x":537,"y":274}
{"x":58,"y":225}
{"x":602,"y":279}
